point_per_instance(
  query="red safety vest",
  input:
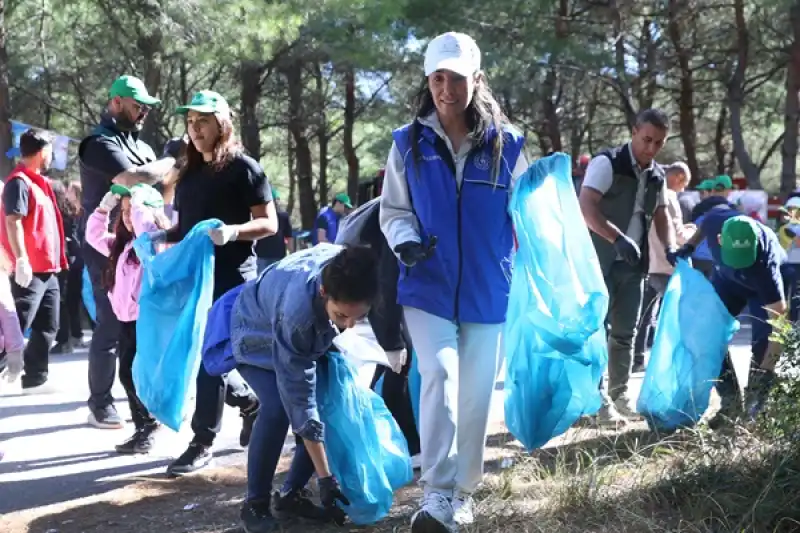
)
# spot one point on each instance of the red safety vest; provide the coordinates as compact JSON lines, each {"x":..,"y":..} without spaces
{"x":42,"y":226}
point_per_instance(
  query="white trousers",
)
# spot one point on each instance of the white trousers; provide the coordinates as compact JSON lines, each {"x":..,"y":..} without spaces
{"x":458,"y":364}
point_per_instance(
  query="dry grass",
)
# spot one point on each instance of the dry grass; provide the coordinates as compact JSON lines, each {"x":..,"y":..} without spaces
{"x":589,"y":481}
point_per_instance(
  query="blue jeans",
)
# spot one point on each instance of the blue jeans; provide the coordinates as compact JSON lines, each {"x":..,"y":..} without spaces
{"x":269,"y":434}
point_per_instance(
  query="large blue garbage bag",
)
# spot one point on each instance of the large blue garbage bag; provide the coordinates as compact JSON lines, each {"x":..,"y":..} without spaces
{"x":555,"y":340}
{"x":366,"y":449}
{"x":694,"y":329}
{"x":177,"y":292}
{"x":87,"y":294}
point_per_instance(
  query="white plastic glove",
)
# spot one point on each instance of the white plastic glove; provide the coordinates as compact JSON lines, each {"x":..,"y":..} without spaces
{"x":109,"y":202}
{"x":223,"y":235}
{"x":23,"y":274}
{"x":397,"y":359}
{"x":13,"y":366}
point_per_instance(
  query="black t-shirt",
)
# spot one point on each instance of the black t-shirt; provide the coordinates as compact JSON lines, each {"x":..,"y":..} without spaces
{"x":274,"y":246}
{"x":15,"y":197}
{"x":226,"y":195}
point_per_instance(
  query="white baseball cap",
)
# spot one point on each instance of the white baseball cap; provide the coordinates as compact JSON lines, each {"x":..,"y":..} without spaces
{"x":453,"y":51}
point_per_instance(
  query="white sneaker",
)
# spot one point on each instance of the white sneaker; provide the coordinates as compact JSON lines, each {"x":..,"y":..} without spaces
{"x":463,"y":513}
{"x":435,"y":515}
{"x":623,"y":405}
{"x":416,"y":462}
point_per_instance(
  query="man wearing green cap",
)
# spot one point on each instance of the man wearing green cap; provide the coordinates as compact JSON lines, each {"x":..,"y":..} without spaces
{"x":327,"y":224}
{"x":750,"y":269}
{"x":713,"y":196}
{"x":113,"y":153}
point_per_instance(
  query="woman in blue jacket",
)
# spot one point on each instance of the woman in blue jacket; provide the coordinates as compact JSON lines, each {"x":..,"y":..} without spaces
{"x":281,"y":325}
{"x":444,"y":212}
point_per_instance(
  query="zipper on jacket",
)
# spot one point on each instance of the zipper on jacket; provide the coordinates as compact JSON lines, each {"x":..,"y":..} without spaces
{"x":444,"y":152}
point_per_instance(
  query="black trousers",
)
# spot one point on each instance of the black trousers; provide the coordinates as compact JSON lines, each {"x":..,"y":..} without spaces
{"x":71,"y":285}
{"x":386,"y":319}
{"x":102,"y":350}
{"x":38,"y":307}
{"x":397,"y":396}
{"x":213,"y":392}
{"x":126,"y":349}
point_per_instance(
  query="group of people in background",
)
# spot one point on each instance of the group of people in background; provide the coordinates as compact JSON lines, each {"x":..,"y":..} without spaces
{"x":429,"y":271}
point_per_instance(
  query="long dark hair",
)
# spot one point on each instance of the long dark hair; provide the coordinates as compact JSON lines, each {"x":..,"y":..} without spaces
{"x":482,"y":115}
{"x":227,"y":148}
{"x":66,"y":207}
{"x":121,"y":239}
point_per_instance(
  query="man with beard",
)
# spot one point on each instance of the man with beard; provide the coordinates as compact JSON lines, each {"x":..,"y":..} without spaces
{"x":113,"y":153}
{"x":32,"y":236}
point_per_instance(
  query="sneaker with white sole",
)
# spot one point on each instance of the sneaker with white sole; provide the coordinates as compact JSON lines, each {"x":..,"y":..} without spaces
{"x":608,"y":416}
{"x":463,"y":512}
{"x":624,"y":407}
{"x":435,"y":515}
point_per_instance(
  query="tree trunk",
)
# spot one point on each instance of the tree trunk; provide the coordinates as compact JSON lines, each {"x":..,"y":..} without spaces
{"x":323,"y":136}
{"x":250,"y":80}
{"x":302,"y":148}
{"x":719,"y":141}
{"x":5,"y":99}
{"x":735,"y":98}
{"x":791,"y":108}
{"x":623,"y":84}
{"x":151,"y":48}
{"x":686,"y":95}
{"x":348,"y":146}
{"x":292,"y":172}
{"x":551,"y":126}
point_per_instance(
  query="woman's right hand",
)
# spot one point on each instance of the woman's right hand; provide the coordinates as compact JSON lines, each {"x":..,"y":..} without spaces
{"x":109,"y":202}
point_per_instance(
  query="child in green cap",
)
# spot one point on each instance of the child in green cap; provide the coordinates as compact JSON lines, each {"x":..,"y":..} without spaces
{"x":141,"y":211}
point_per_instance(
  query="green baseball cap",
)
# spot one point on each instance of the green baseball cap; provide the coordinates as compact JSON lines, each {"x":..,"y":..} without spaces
{"x":739,"y":242}
{"x":130,"y":87}
{"x":705,"y":185}
{"x":148,"y":194}
{"x":206,"y":102}
{"x":723,"y":182}
{"x":342,"y":198}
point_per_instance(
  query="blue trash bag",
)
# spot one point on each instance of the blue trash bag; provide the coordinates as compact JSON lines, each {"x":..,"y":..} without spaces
{"x":88,"y":295}
{"x":366,"y":449}
{"x":556,"y":350}
{"x":177,"y":291}
{"x":414,"y":386}
{"x":694,"y":329}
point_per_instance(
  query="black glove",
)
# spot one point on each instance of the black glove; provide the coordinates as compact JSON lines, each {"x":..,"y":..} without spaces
{"x":628,"y":250}
{"x":329,"y":493}
{"x":412,"y":253}
{"x":684,"y":252}
{"x":175,"y":147}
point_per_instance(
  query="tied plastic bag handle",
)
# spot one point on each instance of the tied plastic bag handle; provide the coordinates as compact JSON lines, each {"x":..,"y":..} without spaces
{"x":360,"y":350}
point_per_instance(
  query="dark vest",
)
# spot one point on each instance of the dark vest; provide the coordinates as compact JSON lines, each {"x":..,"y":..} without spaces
{"x":95,"y":180}
{"x":618,"y":203}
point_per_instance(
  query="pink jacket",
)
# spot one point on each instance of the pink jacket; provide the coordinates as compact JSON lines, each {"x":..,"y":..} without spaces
{"x":11,"y":339}
{"x":124,"y":296}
